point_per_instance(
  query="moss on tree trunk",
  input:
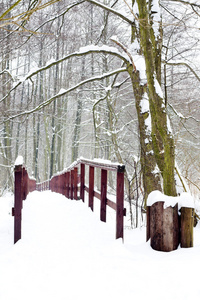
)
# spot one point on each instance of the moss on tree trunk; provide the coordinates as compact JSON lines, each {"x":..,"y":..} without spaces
{"x":163,"y":144}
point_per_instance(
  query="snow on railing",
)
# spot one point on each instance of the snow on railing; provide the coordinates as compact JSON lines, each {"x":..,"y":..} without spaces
{"x":71,"y":183}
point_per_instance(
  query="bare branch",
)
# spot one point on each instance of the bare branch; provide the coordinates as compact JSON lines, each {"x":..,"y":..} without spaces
{"x":186,"y":2}
{"x":107,"y":8}
{"x":9,"y":9}
{"x":183,"y":64}
{"x":54,"y":18}
{"x":181,"y":116}
{"x":126,"y":51}
{"x":192,"y":182}
{"x":64,"y":92}
{"x":25,"y":15}
{"x":83,"y":51}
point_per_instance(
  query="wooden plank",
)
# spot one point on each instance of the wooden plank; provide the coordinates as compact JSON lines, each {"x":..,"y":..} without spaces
{"x":72,"y":184}
{"x":17,"y":203}
{"x":148,"y":223}
{"x":32,"y":185}
{"x":91,"y":187}
{"x":156,"y":212}
{"x":62,"y":184}
{"x":97,"y":195}
{"x":187,"y":224}
{"x":168,"y":229}
{"x":82,"y":179}
{"x":109,"y":166}
{"x":120,"y":205}
{"x":111,"y":204}
{"x":176,"y":228}
{"x":103,"y":195}
{"x":86,"y":188}
{"x":67,"y":184}
{"x":75,"y":183}
{"x":164,"y":227}
{"x":24,"y":184}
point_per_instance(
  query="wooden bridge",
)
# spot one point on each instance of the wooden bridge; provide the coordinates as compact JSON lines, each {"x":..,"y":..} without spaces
{"x":71,"y":183}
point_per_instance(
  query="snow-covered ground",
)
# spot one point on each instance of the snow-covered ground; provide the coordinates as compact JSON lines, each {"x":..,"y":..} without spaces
{"x":67,"y":253}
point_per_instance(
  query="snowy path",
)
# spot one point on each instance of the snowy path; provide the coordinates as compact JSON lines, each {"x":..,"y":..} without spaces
{"x":67,"y":253}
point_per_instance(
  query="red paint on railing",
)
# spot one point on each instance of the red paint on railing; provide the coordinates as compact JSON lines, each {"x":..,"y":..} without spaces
{"x":69,"y":187}
{"x":23,"y":185}
{"x":72,"y":185}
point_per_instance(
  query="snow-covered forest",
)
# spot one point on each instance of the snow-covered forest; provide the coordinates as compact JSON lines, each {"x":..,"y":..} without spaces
{"x":76,"y":81}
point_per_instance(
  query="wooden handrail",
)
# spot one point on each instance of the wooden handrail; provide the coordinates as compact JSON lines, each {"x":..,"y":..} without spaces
{"x":71,"y":183}
{"x":69,"y":187}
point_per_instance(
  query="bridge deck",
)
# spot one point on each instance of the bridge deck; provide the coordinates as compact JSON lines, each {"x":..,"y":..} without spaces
{"x":67,"y":253}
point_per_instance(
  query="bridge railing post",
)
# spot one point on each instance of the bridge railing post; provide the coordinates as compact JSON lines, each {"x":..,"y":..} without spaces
{"x":67,"y":184}
{"x":91,"y":187}
{"x":82,"y":188}
{"x":103,"y":195}
{"x":76,"y":183}
{"x":72,"y":184}
{"x":120,"y":203}
{"x":18,"y":202}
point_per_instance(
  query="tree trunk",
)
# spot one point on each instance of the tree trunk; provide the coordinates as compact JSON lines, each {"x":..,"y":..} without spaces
{"x":162,"y":139}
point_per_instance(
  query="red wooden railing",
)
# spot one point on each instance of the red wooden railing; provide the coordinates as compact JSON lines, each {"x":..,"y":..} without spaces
{"x":71,"y":183}
{"x":23,"y":185}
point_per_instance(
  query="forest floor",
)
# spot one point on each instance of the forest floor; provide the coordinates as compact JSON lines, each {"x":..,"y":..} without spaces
{"x":66,"y":253}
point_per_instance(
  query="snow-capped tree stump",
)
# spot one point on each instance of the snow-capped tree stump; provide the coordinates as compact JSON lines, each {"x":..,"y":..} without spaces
{"x":187,"y":223}
{"x":164,"y":227}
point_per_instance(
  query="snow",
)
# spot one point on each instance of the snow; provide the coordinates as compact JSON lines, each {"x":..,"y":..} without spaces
{"x":158,"y":88}
{"x":138,"y":60}
{"x":62,"y":91}
{"x":67,"y":253}
{"x":135,"y":8}
{"x":141,"y":67}
{"x":184,"y":200}
{"x":156,"y":170}
{"x":19,"y":161}
{"x":156,"y":17}
{"x":169,"y":128}
{"x":144,"y":104}
{"x":148,"y":124}
{"x":105,"y":48}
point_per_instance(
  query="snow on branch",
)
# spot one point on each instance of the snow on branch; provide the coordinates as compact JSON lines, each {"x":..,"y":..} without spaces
{"x":115,"y":12}
{"x":6,"y":71}
{"x":83,"y":51}
{"x":181,"y":115}
{"x":126,"y":51}
{"x":63,"y":92}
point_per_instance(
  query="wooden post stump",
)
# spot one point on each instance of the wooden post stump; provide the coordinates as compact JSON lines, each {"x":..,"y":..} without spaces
{"x":164,"y":227}
{"x":187,"y":223}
